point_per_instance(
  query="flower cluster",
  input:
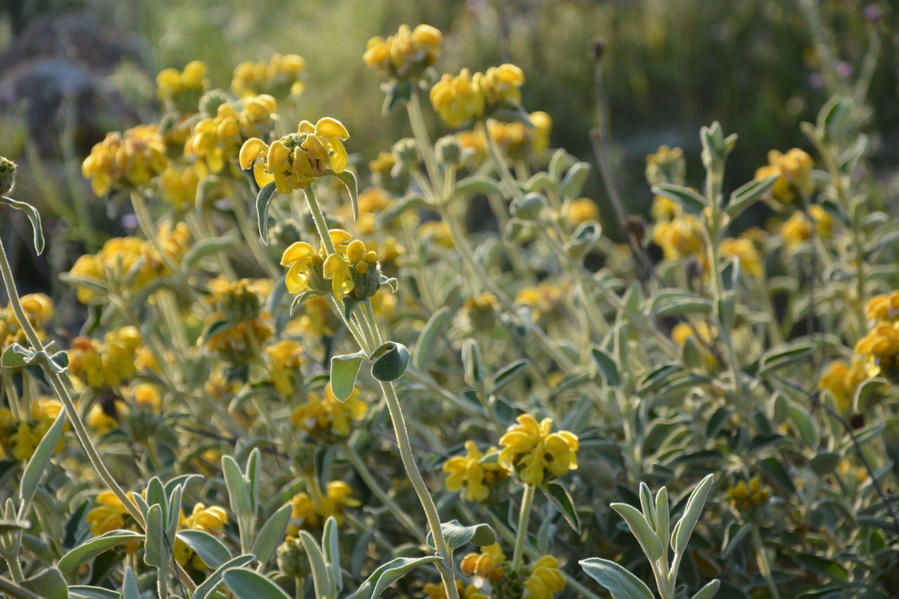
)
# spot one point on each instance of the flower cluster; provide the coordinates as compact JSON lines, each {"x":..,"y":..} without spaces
{"x":466,"y":97}
{"x":125,"y":160}
{"x":182,"y":89}
{"x":107,"y":364}
{"x":210,"y":520}
{"x":746,"y":251}
{"x":514,"y":139}
{"x":407,"y":53}
{"x":296,"y":160}
{"x":239,"y":325}
{"x":179,"y":184}
{"x":285,"y":358}
{"x":215,"y":140}
{"x":883,"y":307}
{"x":536,"y":453}
{"x":745,"y":497}
{"x":841,"y":380}
{"x":477,"y":474}
{"x":798,"y":229}
{"x":311,"y":511}
{"x":110,"y":515}
{"x":494,"y":576}
{"x":38,"y":309}
{"x":127,"y":263}
{"x":680,"y":237}
{"x":277,"y":77}
{"x":328,"y":418}
{"x":353,"y":269}
{"x":880,"y":349}
{"x":19,"y":436}
{"x":794,"y":170}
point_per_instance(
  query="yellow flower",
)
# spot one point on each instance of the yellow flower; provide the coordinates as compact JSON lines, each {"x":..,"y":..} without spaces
{"x":459,"y":99}
{"x":486,"y":563}
{"x":179,"y":185}
{"x":682,"y":331}
{"x":883,"y":307}
{"x":308,"y":511}
{"x":745,"y":497}
{"x":285,"y":358}
{"x":302,"y":260}
{"x":535,"y":453}
{"x":797,"y":229}
{"x":502,"y":85}
{"x":666,"y":165}
{"x":405,"y":54}
{"x":543,"y":298}
{"x":794,"y":170}
{"x":146,"y":395}
{"x":110,"y":515}
{"x":214,"y":141}
{"x":545,"y":579}
{"x":880,"y":347}
{"x":338,"y":269}
{"x":473,"y":474}
{"x":278,"y":77}
{"x":680,"y":237}
{"x":842,"y":379}
{"x":182,"y":89}
{"x":295,"y":160}
{"x":664,"y":209}
{"x":125,"y":160}
{"x":211,"y":520}
{"x":745,"y":250}
{"x":328,"y":416}
{"x":582,"y":210}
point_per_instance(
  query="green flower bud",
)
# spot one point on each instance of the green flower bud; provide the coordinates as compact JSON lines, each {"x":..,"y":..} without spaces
{"x":528,"y":207}
{"x":292,"y":560}
{"x":211,"y":100}
{"x":7,"y":175}
{"x":449,"y":150}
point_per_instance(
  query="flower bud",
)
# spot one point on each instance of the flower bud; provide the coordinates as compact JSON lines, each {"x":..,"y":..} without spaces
{"x":449,"y":150}
{"x":7,"y":175}
{"x":292,"y":560}
{"x":406,"y":151}
{"x":528,"y":207}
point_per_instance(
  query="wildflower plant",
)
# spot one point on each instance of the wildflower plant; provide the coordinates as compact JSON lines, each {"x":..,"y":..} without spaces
{"x":305,"y":374}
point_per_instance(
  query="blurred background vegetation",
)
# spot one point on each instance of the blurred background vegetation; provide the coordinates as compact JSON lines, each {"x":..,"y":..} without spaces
{"x":72,"y":69}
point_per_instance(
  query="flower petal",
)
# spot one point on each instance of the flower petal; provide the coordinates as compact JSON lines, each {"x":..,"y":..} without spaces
{"x":250,"y":150}
{"x":330,"y":127}
{"x":296,"y":252}
{"x":337,"y":154}
{"x":296,"y":278}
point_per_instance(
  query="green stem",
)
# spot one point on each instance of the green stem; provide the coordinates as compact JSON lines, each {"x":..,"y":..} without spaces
{"x":201,"y":230}
{"x":248,"y":231}
{"x":369,"y":479}
{"x":421,"y":488}
{"x":762,"y":558}
{"x":399,"y":426}
{"x":63,"y":393}
{"x":14,"y":590}
{"x":521,"y":535}
{"x":15,"y":568}
{"x":504,"y":172}
{"x":420,"y":132}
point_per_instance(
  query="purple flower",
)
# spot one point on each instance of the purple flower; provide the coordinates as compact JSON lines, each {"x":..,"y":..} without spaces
{"x":844,"y":69}
{"x":873,"y":13}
